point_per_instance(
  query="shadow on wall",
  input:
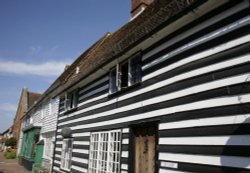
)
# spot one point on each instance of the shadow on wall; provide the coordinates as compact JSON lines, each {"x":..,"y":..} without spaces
{"x":236,"y":152}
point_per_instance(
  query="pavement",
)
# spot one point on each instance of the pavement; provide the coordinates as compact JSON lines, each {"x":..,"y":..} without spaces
{"x":10,"y":165}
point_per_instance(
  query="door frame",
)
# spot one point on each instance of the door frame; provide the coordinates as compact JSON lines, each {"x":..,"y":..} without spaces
{"x":131,"y":163}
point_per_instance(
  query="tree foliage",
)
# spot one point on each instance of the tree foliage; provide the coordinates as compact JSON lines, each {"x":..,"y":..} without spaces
{"x":11,"y":142}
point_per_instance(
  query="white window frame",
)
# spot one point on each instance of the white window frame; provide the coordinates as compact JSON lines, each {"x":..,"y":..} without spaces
{"x":66,"y":154}
{"x":49,"y":146}
{"x":105,"y":152}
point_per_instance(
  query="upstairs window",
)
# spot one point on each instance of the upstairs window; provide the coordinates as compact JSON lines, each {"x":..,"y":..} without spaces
{"x":71,"y":100}
{"x":125,"y":74}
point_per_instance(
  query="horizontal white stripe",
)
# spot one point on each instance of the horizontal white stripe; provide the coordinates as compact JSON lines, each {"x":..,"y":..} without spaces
{"x":125,"y":141}
{"x":235,"y":119}
{"x":123,"y":171}
{"x":171,"y":171}
{"x":185,"y":107}
{"x":81,"y":142}
{"x":75,"y":135}
{"x":125,"y":154}
{"x":57,"y":155}
{"x":59,"y":142}
{"x":56,"y":168}
{"x":79,"y":168}
{"x":81,"y":134}
{"x":208,"y":140}
{"x":200,"y":71}
{"x":56,"y":161}
{"x":230,"y":161}
{"x":94,"y":84}
{"x":124,"y":166}
{"x":58,"y":149}
{"x":198,"y":56}
{"x":83,"y":151}
{"x":205,"y":38}
{"x":125,"y":130}
{"x":77,"y":159}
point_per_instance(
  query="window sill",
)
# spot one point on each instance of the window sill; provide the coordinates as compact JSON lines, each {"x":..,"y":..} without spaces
{"x":123,"y":90}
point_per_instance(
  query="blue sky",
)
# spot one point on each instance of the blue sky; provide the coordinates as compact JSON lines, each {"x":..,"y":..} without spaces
{"x":38,"y":38}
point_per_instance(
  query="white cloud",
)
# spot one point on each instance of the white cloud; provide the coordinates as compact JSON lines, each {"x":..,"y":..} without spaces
{"x":51,"y":68}
{"x":7,"y":107}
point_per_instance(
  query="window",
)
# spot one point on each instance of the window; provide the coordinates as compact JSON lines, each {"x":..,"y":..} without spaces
{"x":71,"y":101}
{"x":125,"y":74}
{"x":105,"y":150}
{"x":66,"y":154}
{"x":48,"y":147}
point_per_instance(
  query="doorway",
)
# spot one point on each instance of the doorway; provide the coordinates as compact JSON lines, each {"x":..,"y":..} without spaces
{"x":144,"y":146}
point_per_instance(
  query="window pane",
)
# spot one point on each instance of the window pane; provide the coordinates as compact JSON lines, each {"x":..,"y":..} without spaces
{"x":135,"y":70}
{"x":124,"y":75}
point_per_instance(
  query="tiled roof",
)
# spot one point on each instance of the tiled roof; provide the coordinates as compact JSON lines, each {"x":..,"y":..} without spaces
{"x":32,"y":98}
{"x":159,"y":13}
{"x":155,"y":16}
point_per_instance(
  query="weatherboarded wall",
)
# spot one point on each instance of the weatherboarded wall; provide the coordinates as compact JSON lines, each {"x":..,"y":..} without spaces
{"x":195,"y":83}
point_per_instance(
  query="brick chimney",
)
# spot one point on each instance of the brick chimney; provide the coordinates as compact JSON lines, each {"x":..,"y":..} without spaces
{"x":137,"y":6}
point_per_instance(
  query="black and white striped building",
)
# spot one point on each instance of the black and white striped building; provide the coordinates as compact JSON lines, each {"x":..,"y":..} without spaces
{"x":168,"y":93}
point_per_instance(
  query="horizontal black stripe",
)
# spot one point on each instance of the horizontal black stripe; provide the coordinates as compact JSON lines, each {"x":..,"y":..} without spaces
{"x":58,"y":145}
{"x":82,"y":165}
{"x":208,"y":112}
{"x":56,"y":171}
{"x":170,"y":88}
{"x":124,"y":160}
{"x":76,"y":146}
{"x":57,"y":165}
{"x":58,"y":152}
{"x":80,"y":155}
{"x":237,"y":129}
{"x":58,"y":159}
{"x":125,"y":147}
{"x":72,"y":170}
{"x":225,"y":91}
{"x":125,"y":135}
{"x":242,"y":151}
{"x":83,"y":138}
{"x":189,"y":167}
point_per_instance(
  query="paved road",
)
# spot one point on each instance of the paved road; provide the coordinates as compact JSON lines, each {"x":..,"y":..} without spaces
{"x":10,"y":165}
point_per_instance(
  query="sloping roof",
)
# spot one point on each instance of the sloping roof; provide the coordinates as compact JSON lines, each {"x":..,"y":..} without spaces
{"x":32,"y":98}
{"x":155,"y":16}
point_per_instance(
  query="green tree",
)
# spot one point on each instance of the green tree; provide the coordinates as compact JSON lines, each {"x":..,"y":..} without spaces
{"x":11,"y":142}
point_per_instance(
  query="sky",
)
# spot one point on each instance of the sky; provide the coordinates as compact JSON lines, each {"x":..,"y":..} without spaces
{"x":39,"y":37}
